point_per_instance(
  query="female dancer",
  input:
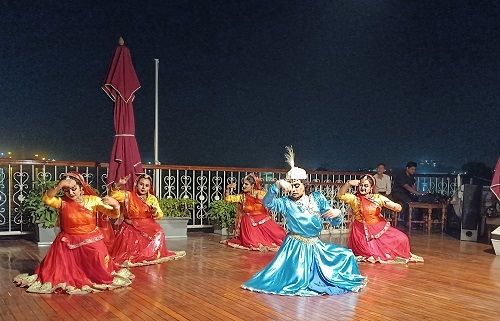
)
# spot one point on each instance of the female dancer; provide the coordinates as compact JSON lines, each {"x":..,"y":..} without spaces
{"x":372,"y":238}
{"x":255,"y":229}
{"x":304,"y":265}
{"x":78,"y":261}
{"x":140,"y":240}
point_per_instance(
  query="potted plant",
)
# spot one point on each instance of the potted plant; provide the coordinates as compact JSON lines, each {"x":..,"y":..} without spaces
{"x":222,"y":215}
{"x":176,"y":215}
{"x":43,"y":216}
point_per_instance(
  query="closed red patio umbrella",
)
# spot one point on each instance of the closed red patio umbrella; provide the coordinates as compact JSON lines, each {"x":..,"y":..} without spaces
{"x":120,"y":85}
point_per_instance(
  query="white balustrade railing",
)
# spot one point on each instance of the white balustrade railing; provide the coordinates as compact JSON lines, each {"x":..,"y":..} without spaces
{"x":203,"y":184}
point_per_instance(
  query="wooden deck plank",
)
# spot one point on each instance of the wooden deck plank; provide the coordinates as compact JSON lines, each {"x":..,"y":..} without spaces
{"x":458,"y":281}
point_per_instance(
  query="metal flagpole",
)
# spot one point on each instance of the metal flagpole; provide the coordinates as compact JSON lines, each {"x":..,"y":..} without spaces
{"x":157,"y":162}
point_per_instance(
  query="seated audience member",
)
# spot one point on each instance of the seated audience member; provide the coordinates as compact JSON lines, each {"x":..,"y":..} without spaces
{"x":383,"y":181}
{"x":404,"y":190}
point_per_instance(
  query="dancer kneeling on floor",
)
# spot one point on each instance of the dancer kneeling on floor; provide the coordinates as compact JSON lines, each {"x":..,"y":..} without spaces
{"x":304,"y":265}
{"x":255,"y":229}
{"x":372,"y":238}
{"x":78,"y":261}
{"x":140,"y":240}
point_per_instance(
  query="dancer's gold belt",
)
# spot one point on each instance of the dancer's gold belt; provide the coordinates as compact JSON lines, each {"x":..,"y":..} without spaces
{"x":303,"y":239}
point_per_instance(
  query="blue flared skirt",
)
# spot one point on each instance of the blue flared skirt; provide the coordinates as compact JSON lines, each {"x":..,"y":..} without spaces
{"x":306,"y":267}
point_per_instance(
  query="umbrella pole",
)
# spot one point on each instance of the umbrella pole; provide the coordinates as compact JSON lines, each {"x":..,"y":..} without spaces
{"x":157,"y":162}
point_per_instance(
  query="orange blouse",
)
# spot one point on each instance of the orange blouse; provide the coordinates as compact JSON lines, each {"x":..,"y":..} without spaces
{"x":249,"y":204}
{"x":370,"y":214}
{"x":136,"y":207}
{"x":76,"y":218}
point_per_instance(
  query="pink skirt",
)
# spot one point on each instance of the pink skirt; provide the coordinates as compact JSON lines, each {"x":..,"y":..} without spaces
{"x":258,"y":232}
{"x":141,"y":243}
{"x":75,"y":264}
{"x":392,"y":246}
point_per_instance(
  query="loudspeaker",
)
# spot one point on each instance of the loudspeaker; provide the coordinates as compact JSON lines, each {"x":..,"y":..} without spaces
{"x":471,"y":212}
{"x":453,"y":222}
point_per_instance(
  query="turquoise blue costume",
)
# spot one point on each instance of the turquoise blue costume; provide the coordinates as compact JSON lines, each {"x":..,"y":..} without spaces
{"x":304,"y":265}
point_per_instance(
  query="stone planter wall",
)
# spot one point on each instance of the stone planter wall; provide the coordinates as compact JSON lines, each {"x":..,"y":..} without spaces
{"x":223,"y":231}
{"x":45,"y":236}
{"x":174,"y":227}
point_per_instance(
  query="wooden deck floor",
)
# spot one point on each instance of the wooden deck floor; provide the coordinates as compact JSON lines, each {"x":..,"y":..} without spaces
{"x":458,"y":281}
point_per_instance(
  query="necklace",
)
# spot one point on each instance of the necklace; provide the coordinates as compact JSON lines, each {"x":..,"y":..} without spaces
{"x":307,"y":203}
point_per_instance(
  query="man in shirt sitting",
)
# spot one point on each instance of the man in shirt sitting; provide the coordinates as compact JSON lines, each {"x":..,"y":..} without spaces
{"x":382,"y":181}
{"x":404,"y":190}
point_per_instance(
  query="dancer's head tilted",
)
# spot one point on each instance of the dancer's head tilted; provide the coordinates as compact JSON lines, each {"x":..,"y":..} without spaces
{"x":77,"y":189}
{"x":296,"y":176}
{"x":143,"y":184}
{"x":251,"y":182}
{"x":366,"y":184}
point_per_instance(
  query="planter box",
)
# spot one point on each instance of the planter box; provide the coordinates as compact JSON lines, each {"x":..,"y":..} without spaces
{"x":174,"y":227}
{"x":45,"y":236}
{"x":223,"y":231}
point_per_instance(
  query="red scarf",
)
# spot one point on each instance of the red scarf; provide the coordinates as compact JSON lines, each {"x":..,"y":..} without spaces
{"x":137,"y":207}
{"x":367,"y":205}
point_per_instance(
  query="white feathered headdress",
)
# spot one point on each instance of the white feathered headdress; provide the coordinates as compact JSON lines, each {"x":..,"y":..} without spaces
{"x":294,"y":172}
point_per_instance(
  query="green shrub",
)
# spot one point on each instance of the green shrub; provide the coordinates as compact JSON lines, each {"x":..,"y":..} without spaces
{"x":222,"y":213}
{"x":176,"y":207}
{"x":33,"y":205}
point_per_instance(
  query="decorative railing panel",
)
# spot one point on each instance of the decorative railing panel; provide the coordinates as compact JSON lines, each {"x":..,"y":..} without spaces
{"x":203,"y":184}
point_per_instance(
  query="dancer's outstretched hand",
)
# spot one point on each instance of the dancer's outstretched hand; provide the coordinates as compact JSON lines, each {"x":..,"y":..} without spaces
{"x":107,"y":200}
{"x":124,"y":180}
{"x":153,"y":211}
{"x":284,"y":185}
{"x":332,"y":213}
{"x":354,"y":182}
{"x":231,"y":186}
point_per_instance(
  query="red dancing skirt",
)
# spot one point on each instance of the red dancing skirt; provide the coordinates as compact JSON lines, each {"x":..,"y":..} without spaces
{"x":392,"y":246}
{"x":75,"y":264}
{"x":141,"y":243}
{"x":73,"y":260}
{"x":107,"y":231}
{"x":258,"y":232}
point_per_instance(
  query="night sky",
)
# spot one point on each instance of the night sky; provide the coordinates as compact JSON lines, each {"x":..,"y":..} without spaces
{"x":347,"y":83}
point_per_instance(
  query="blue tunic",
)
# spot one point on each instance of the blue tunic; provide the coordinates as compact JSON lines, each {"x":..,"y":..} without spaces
{"x":304,"y":265}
